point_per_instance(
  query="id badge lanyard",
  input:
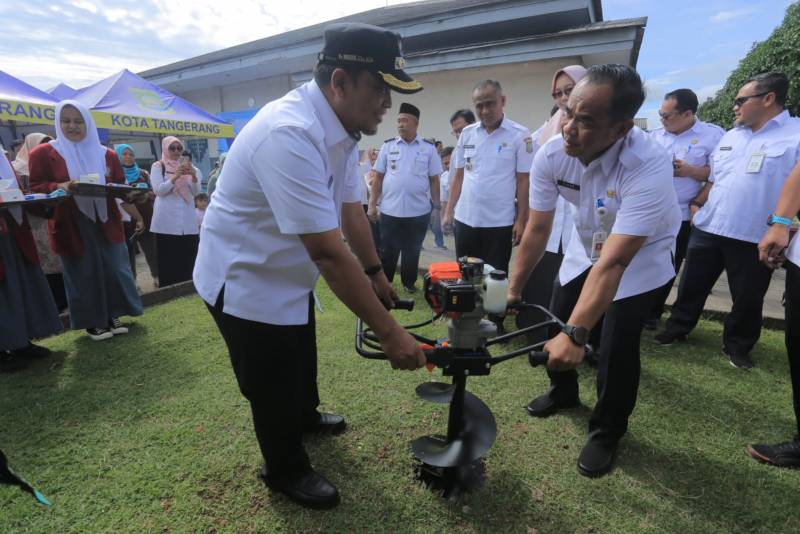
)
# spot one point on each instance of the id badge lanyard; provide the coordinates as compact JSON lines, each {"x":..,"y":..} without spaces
{"x":599,"y":237}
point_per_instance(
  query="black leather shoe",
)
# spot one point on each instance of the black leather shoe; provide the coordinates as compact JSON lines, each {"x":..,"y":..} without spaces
{"x":328,"y":424}
{"x":550,"y":403}
{"x":309,"y":489}
{"x":596,"y":458}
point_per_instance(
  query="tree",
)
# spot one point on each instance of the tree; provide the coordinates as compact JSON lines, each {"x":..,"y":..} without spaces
{"x":780,"y":52}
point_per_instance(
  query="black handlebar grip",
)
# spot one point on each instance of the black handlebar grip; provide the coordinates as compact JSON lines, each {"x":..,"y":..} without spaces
{"x":404,"y":304}
{"x":537,"y":358}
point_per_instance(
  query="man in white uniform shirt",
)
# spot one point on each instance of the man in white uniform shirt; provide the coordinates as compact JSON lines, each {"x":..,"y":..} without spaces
{"x":771,"y":250}
{"x":492,"y":162}
{"x":626,"y":217}
{"x":748,"y":169}
{"x":690,"y":142}
{"x":406,"y":178}
{"x":288,"y":192}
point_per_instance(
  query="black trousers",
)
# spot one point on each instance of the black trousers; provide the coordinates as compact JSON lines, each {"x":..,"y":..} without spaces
{"x":681,"y":245}
{"x":401,"y":238}
{"x":492,"y":245}
{"x":618,"y":365}
{"x":748,"y":280}
{"x":176,"y":255}
{"x":276,"y":368}
{"x":539,"y":290}
{"x":792,"y":336}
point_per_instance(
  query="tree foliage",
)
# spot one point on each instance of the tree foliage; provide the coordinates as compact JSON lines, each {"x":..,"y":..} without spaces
{"x":780,"y":52}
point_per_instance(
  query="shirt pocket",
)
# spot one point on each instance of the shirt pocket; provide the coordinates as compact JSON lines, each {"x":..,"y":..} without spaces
{"x":501,"y":162}
{"x":778,"y":160}
{"x":421,"y":165}
{"x":722,"y":162}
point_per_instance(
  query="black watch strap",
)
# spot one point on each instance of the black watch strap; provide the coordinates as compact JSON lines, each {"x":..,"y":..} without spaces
{"x":375,"y":269}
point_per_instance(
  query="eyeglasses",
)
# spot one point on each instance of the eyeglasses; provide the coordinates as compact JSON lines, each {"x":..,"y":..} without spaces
{"x":566,"y":92}
{"x":739,"y":102}
{"x":175,"y":148}
{"x":668,"y":116}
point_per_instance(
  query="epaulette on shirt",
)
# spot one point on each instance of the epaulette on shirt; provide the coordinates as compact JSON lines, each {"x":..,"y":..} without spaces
{"x":429,"y":141}
{"x":389,"y":140}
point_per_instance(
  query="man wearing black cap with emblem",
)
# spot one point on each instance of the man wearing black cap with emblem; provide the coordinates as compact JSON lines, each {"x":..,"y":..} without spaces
{"x":406,"y":179}
{"x":289,"y":190}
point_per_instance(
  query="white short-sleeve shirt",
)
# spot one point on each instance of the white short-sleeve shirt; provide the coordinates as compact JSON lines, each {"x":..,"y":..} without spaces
{"x":490,"y":163}
{"x":748,"y":170}
{"x":288,"y":173}
{"x":632,"y":181}
{"x":444,"y":186}
{"x":407,"y":170}
{"x":694,"y":146}
{"x":563,"y":225}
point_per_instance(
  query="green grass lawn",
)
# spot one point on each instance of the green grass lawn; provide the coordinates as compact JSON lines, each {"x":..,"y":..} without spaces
{"x":148,"y":432}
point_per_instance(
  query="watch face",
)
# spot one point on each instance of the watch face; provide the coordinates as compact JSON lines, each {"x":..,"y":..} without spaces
{"x":581,"y":335}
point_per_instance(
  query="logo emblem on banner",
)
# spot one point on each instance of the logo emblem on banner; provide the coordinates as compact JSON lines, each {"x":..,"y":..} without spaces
{"x":150,"y":100}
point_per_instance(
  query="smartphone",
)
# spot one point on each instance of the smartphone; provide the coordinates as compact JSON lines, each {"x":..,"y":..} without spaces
{"x":184,"y":160}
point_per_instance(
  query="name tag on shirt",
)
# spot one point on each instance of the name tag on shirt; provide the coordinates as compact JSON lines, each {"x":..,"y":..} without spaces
{"x":755,"y":163}
{"x":569,"y":185}
{"x":92,"y":178}
{"x":598,"y":240}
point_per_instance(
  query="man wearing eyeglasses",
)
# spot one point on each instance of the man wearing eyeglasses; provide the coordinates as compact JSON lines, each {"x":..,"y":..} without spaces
{"x":689,"y":141}
{"x":748,"y":168}
{"x":460,"y":120}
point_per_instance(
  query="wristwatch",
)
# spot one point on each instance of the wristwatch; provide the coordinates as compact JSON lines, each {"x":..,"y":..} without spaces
{"x":578,"y":334}
{"x":375,"y":269}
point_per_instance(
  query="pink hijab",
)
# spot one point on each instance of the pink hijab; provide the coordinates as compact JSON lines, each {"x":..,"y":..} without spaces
{"x":183,"y":183}
{"x":553,"y":126}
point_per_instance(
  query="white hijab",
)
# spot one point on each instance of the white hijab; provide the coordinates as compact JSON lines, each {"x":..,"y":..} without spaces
{"x":7,"y":173}
{"x":87,"y":156}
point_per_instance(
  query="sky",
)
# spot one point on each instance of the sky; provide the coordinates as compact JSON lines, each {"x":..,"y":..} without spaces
{"x":687,"y":43}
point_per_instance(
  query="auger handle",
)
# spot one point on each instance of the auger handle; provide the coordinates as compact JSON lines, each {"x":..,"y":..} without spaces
{"x":538,"y":357}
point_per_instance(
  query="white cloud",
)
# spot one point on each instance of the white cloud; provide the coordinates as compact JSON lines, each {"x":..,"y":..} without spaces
{"x":724,"y":16}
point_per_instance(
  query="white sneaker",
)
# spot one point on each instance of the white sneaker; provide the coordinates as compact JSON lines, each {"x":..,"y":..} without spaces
{"x":99,"y":334}
{"x":116,"y":327}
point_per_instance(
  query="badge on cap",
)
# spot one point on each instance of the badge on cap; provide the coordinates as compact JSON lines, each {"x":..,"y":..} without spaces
{"x":399,"y":63}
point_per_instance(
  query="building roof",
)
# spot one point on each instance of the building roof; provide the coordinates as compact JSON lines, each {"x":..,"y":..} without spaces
{"x":424,"y":25}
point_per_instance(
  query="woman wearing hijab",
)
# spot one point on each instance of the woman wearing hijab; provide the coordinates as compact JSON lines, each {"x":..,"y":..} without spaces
{"x":174,"y":219}
{"x":48,"y":260}
{"x":539,"y":288}
{"x":86,"y":232}
{"x":214,"y":176}
{"x":144,"y":205}
{"x":27,"y":309}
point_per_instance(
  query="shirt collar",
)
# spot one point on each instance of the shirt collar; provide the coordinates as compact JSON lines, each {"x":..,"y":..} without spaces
{"x":502,"y":124}
{"x":417,"y":140}
{"x":609,"y":158}
{"x":331,"y":125}
{"x":778,"y":120}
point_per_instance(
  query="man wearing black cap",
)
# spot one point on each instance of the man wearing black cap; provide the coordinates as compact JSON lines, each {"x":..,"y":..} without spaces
{"x":289,"y":191}
{"x":406,"y":179}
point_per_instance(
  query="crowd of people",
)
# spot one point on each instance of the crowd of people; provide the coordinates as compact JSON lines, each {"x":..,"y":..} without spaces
{"x":604,"y":216}
{"x":85,"y":247}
